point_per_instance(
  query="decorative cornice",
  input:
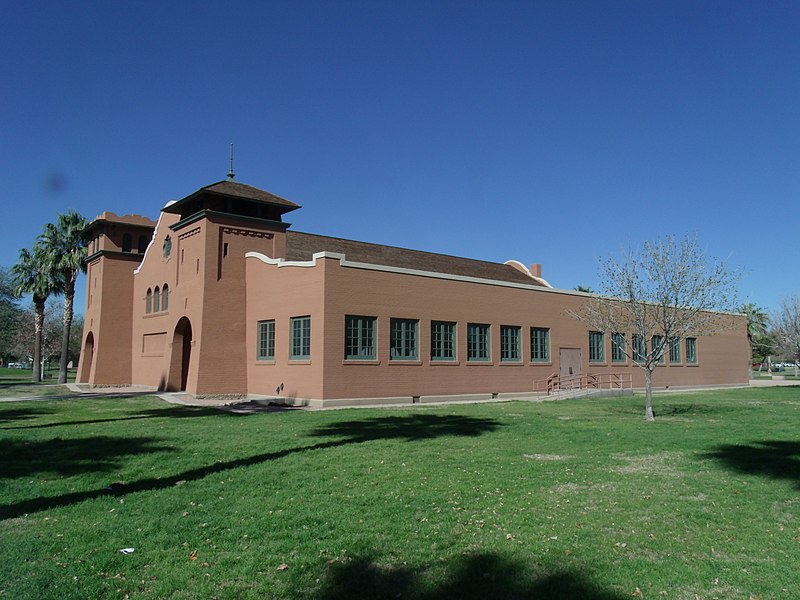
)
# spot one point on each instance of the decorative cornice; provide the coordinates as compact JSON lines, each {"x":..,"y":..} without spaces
{"x":281,"y":263}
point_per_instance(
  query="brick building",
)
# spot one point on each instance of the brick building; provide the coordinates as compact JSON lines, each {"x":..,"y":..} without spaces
{"x":220,"y":296}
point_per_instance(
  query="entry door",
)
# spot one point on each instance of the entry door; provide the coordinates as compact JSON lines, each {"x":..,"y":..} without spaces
{"x":570,"y":362}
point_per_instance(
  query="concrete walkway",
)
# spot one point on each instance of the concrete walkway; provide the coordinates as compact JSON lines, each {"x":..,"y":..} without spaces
{"x":245,"y":404}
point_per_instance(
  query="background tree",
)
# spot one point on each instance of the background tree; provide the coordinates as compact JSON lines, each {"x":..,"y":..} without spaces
{"x":757,"y":325}
{"x":9,"y":315}
{"x":666,"y":291}
{"x":65,"y":251}
{"x":764,"y":347}
{"x":584,"y":288}
{"x":25,"y":338}
{"x":787,"y":328}
{"x":30,"y":276}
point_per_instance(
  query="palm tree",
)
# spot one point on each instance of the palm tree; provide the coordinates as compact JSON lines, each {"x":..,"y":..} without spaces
{"x":757,"y":323}
{"x":65,"y":253}
{"x":30,"y":276}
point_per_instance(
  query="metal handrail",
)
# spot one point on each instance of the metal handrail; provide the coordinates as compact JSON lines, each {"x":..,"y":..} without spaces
{"x":595,"y":381}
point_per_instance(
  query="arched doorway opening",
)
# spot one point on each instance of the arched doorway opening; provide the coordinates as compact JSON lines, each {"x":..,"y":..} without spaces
{"x":87,"y":356}
{"x":181,"y":356}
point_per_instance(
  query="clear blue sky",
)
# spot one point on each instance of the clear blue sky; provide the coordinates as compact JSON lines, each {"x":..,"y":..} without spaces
{"x":552,"y":132}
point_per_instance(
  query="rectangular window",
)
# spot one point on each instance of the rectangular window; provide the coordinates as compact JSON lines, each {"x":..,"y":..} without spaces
{"x":639,"y":348}
{"x":443,"y":340}
{"x":403,"y":342}
{"x":478,"y":342}
{"x":510,"y":345}
{"x":266,"y":340}
{"x":618,"y":348}
{"x":301,"y":338}
{"x":691,"y":351}
{"x":597,"y":350}
{"x":359,"y":338}
{"x":540,"y":344}
{"x":675,"y":351}
{"x":658,"y":346}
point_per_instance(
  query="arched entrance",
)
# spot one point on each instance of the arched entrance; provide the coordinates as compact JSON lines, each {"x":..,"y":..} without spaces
{"x":86,"y":359}
{"x":181,"y":356}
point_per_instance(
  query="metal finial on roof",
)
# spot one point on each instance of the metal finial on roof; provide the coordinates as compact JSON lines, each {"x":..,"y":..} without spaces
{"x":231,"y":174}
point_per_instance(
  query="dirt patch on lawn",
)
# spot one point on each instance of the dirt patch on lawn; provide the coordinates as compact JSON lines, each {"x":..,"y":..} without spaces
{"x":662,"y":463}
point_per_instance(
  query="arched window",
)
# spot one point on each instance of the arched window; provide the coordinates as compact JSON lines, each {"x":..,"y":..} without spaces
{"x":156,"y":300}
{"x":142,"y":243}
{"x":127,"y":242}
{"x":148,"y":307}
{"x":165,"y":297}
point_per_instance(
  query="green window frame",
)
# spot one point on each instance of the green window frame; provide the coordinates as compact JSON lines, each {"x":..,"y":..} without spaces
{"x":478,"y":342}
{"x":403,"y":342}
{"x":597,"y":349}
{"x":300,"y":329}
{"x":510,"y":343}
{"x":265,"y":345}
{"x":619,"y":348}
{"x":639,"y":348}
{"x":675,"y":351}
{"x":359,"y":337}
{"x":656,"y":341}
{"x":540,"y":344}
{"x":691,"y":351}
{"x":443,"y":340}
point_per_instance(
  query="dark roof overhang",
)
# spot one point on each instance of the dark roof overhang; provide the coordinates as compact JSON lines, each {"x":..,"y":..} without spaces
{"x":238,"y":191}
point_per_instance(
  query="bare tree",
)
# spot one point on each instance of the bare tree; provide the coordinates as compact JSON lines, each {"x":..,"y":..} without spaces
{"x":24,"y":342}
{"x":786,"y":328}
{"x":663,"y":293}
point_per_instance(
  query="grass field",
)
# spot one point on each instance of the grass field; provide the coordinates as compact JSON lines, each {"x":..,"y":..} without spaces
{"x":569,"y":499}
{"x":17,"y":383}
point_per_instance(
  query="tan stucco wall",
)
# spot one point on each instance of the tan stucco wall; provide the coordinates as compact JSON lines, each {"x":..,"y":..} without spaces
{"x":282,"y":292}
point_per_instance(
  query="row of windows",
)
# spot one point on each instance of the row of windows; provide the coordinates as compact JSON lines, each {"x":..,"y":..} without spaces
{"x":360,"y":341}
{"x":300,"y":339}
{"x":361,"y":333}
{"x":619,"y":350}
{"x":157,"y":300}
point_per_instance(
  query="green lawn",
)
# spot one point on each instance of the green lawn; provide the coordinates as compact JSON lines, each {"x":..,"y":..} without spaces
{"x":17,"y":383}
{"x":569,"y":499}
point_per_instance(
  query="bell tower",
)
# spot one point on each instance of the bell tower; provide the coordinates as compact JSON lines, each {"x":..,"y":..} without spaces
{"x":116,"y":246}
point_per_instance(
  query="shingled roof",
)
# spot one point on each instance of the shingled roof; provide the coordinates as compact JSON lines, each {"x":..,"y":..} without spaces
{"x":302,"y":246}
{"x":236,"y":190}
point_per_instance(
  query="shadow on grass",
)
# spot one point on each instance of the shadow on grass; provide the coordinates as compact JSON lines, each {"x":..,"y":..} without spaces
{"x":12,"y":415}
{"x":70,"y":457}
{"x":667,"y":409}
{"x":481,"y":577}
{"x":775,"y":459}
{"x":409,"y":428}
{"x":173,"y":412}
